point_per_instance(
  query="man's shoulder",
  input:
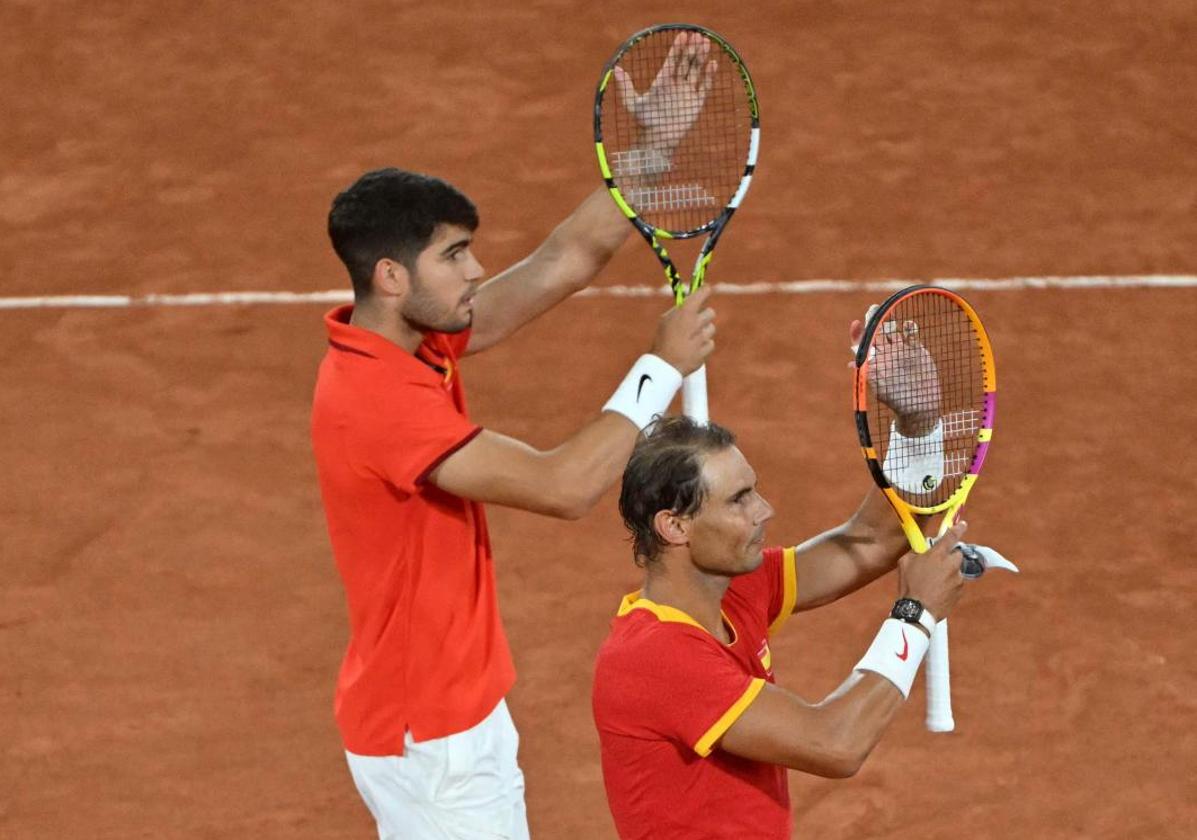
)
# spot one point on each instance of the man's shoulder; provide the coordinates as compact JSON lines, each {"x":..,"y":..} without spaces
{"x":760,"y":581}
{"x":639,"y":640}
{"x":373,"y":384}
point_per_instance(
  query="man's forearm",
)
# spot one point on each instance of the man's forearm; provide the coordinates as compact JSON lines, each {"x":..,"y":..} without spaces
{"x":564,"y":482}
{"x":590,"y":462}
{"x":861,"y":709}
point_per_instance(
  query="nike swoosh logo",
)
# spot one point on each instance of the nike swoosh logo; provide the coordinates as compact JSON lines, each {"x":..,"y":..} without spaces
{"x":644,"y":377}
{"x":905,"y":648}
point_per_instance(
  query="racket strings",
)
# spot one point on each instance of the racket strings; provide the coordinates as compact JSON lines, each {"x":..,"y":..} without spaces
{"x":684,"y":188}
{"x":929,"y":363}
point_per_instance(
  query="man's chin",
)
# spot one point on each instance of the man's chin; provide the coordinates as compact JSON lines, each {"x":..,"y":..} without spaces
{"x":458,"y":326}
{"x":754,"y":557}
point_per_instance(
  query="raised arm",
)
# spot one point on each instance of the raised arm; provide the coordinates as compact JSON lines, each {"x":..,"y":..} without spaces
{"x":565,"y":263}
{"x":833,"y":737}
{"x":843,"y":559}
{"x":578,"y":249}
{"x":568,"y":480}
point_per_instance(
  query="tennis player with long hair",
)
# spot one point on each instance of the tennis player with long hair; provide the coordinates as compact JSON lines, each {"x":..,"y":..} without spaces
{"x":404,"y":474}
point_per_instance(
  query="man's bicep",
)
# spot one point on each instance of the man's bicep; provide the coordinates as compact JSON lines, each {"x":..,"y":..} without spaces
{"x":843,"y":559}
{"x":507,"y":302}
{"x":496,"y":469}
{"x":405,"y":434}
{"x":566,"y":262}
{"x":826,"y":569}
{"x":777,"y":727}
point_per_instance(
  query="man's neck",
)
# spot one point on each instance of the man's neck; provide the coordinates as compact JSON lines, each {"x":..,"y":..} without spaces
{"x":368,"y":315}
{"x":681,"y":586}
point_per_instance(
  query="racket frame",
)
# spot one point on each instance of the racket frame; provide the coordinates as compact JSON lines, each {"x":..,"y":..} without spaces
{"x":939,"y":693}
{"x":951,"y":505}
{"x":655,"y":236}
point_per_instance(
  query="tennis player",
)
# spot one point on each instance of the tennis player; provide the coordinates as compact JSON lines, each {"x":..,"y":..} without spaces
{"x":404,"y":474}
{"x":695,"y":735}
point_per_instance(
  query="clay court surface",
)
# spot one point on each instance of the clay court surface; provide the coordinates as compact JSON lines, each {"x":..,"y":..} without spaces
{"x":170,"y":618}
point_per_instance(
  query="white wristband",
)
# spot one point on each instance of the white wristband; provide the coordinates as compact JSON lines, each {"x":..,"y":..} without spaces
{"x":896,"y":653}
{"x":646,"y":391}
{"x":915,"y":464}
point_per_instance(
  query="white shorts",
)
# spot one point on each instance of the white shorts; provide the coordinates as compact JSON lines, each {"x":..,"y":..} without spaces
{"x":466,"y":786}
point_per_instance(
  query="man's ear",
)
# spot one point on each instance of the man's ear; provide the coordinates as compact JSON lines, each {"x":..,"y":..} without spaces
{"x":672,"y":528}
{"x":391,"y":278}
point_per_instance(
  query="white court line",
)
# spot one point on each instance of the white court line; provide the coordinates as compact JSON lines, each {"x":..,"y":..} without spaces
{"x":796,"y":287}
{"x":800,"y":287}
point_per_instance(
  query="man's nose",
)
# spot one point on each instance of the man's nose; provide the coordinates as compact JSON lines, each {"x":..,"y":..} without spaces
{"x":768,"y":511}
{"x":476,"y":271}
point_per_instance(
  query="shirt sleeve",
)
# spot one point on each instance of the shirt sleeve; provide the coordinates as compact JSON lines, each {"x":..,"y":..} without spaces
{"x":678,"y":684}
{"x":413,"y":432}
{"x":772,"y":588}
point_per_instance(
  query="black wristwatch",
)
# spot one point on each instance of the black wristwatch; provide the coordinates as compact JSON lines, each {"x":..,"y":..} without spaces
{"x":912,"y":612}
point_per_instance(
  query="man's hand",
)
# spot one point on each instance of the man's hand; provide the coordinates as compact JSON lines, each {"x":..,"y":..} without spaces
{"x":903,"y":376}
{"x":686,"y":333}
{"x":675,"y":98}
{"x":934,"y":578}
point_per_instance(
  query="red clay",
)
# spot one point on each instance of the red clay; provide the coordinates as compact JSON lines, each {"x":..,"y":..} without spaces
{"x":170,"y":620}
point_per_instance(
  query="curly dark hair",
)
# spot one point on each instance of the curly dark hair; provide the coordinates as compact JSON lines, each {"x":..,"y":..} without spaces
{"x":665,"y":473}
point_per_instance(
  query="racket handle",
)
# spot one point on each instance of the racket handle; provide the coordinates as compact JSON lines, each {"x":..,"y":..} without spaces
{"x":939,"y":683}
{"x":694,"y":396}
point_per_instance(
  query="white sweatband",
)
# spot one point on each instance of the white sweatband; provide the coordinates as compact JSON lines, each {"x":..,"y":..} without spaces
{"x":646,"y":391}
{"x":896,"y":653}
{"x":915,"y":464}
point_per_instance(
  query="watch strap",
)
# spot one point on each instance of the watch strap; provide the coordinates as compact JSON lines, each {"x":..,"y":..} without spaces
{"x":928,"y":621}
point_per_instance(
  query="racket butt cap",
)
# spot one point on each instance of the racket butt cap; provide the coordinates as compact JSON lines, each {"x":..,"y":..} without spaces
{"x":940,"y":724}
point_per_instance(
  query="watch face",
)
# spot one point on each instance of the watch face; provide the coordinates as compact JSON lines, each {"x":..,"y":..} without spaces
{"x":907,"y":609}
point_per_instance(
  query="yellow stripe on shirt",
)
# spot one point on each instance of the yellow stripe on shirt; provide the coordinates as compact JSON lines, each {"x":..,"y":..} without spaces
{"x":707,"y":742}
{"x":789,"y":596}
{"x":666,"y":613}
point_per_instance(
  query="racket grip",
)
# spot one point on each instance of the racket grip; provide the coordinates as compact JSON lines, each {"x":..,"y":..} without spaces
{"x":939,"y":683}
{"x":694,"y":396}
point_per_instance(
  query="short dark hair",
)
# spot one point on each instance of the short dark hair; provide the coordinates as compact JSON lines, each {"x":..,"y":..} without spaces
{"x":391,"y":213}
{"x":665,"y":473}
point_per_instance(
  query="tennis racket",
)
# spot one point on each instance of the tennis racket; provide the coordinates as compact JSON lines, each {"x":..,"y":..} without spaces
{"x":925,"y":395}
{"x":676,"y":128}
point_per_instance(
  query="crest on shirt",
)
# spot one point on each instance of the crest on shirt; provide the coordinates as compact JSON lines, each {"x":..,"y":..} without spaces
{"x":766,"y":657}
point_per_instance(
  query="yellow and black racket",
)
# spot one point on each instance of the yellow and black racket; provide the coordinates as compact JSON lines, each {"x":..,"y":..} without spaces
{"x":676,"y":128}
{"x":925,"y":396}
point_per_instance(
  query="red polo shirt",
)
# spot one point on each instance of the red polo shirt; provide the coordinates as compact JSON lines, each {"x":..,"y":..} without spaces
{"x":665,"y":693}
{"x":427,"y":652}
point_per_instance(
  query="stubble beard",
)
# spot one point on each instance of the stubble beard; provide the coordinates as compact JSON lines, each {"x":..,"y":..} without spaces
{"x":422,"y":314}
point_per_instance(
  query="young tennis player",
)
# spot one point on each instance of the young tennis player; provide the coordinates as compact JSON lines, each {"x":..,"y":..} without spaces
{"x":404,"y":474}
